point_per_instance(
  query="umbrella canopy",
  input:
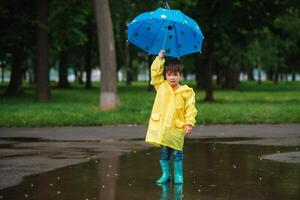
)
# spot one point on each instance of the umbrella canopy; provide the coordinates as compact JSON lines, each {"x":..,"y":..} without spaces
{"x":165,"y":29}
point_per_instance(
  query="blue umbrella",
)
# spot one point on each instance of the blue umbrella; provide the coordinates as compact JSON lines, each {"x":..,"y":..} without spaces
{"x":165,"y":29}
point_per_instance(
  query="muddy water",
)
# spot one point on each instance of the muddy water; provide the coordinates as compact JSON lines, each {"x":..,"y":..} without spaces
{"x":212,"y":171}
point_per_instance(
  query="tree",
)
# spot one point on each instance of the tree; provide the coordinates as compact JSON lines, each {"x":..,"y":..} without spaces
{"x":106,"y":43}
{"x":16,"y":39}
{"x":67,"y":20}
{"x":43,"y":85}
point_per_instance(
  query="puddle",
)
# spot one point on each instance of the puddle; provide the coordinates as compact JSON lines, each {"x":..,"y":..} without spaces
{"x":212,"y":171}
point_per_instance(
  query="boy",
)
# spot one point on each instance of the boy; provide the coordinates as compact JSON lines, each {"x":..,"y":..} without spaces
{"x":172,"y":117}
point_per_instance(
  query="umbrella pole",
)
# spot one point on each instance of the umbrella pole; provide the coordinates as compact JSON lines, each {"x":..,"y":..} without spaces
{"x":163,"y":47}
{"x":167,"y":5}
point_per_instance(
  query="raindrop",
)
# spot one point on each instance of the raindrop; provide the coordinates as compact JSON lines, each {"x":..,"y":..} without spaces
{"x":1,"y":197}
{"x":26,"y":195}
{"x":278,"y":151}
{"x":170,"y":27}
{"x":116,"y":174}
{"x":148,"y":28}
{"x":58,"y":192}
{"x":110,"y":166}
{"x":136,"y":34}
{"x":51,"y":184}
{"x":107,"y":175}
{"x":130,"y":184}
{"x":194,"y":182}
{"x":234,"y":166}
{"x":147,"y":48}
{"x":296,"y":149}
{"x":168,"y":50}
{"x":148,"y":153}
{"x":260,"y":178}
{"x":96,"y":161}
{"x":133,"y":151}
{"x":199,"y":190}
{"x":260,"y":158}
{"x":31,"y":185}
{"x":182,"y":32}
{"x":103,"y":186}
{"x":58,"y":178}
{"x":170,"y":36}
{"x":195,"y":46}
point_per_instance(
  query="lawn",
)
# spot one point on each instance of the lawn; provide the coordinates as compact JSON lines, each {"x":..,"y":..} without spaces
{"x":251,"y":103}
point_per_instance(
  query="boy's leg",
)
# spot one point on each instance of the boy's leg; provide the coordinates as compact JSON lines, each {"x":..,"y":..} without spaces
{"x":178,"y":171}
{"x":165,"y":154}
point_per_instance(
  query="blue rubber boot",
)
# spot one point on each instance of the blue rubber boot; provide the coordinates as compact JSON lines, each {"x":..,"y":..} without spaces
{"x":165,"y":168}
{"x":178,"y":176}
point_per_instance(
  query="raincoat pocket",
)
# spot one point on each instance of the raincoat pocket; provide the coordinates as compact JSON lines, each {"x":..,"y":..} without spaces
{"x":179,"y":124}
{"x":155,"y":117}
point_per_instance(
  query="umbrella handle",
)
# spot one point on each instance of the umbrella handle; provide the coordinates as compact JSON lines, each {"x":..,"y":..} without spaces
{"x":167,"y":5}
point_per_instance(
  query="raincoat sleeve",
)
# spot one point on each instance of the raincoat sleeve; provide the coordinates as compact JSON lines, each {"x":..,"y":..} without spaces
{"x":190,"y":109}
{"x":157,"y":68}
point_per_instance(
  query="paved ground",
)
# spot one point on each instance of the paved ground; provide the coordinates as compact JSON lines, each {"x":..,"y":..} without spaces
{"x":138,"y":132}
{"x":27,"y":151}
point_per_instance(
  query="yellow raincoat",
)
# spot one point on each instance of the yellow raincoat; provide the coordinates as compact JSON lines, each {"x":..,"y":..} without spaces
{"x":171,"y":111}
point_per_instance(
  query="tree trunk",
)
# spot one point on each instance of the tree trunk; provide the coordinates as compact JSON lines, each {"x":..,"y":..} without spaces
{"x":88,"y":55}
{"x":270,"y":74}
{"x":42,"y":70}
{"x":208,"y":81}
{"x":218,"y":73}
{"x":15,"y":83}
{"x":128,"y":60}
{"x":293,"y":74}
{"x":204,"y":77}
{"x":275,"y":77}
{"x":2,"y":73}
{"x":250,"y":74}
{"x":281,"y":76}
{"x":259,"y":70}
{"x":63,"y":71}
{"x":199,"y":80}
{"x":232,"y":76}
{"x":106,"y":43}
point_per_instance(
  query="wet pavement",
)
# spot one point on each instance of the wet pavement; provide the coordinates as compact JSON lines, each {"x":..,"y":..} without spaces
{"x":223,"y":165}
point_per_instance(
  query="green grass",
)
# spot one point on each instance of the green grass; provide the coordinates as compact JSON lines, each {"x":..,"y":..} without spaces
{"x":251,"y":103}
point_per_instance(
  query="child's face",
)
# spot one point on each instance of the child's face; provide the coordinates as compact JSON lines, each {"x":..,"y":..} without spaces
{"x":173,"y":78}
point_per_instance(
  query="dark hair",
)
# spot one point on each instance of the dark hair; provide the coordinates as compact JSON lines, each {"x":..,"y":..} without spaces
{"x":173,"y":66}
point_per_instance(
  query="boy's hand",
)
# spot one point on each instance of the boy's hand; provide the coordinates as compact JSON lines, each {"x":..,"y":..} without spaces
{"x":188,"y":129}
{"x":161,"y":54}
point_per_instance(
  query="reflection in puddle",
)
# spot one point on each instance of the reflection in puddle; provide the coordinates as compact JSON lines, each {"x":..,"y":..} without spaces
{"x":212,"y":171}
{"x":166,"y":191}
